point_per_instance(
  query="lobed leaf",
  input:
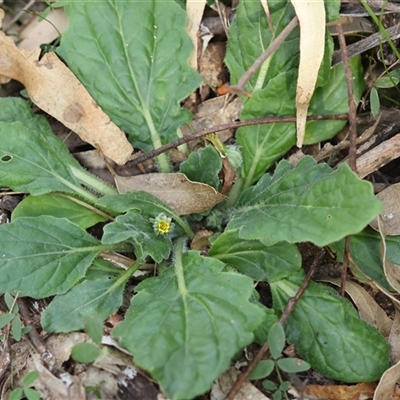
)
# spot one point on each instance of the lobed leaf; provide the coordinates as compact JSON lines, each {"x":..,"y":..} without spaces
{"x":138,"y":230}
{"x":69,"y":312}
{"x":255,"y":259}
{"x":43,"y":256}
{"x":328,"y":333}
{"x":185,"y":331}
{"x":132,"y":57}
{"x":309,"y":202}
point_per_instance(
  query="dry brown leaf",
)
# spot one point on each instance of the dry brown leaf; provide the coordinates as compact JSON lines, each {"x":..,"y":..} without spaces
{"x":394,"y":337}
{"x":368,"y":308}
{"x":194,"y":10}
{"x":387,"y":384}
{"x":55,"y":89}
{"x":182,"y":195}
{"x":311,"y":15}
{"x":390,"y":216}
{"x":224,"y":384}
{"x":340,"y":392}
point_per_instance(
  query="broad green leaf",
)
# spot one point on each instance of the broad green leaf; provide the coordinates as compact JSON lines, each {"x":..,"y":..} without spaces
{"x":309,"y":202}
{"x":328,"y":333}
{"x":31,"y":394}
{"x":45,"y":154}
{"x":57,"y":206}
{"x":16,"y":394}
{"x":132,"y":57}
{"x":138,"y":230}
{"x":184,"y":326}
{"x":144,"y":202}
{"x":68,"y":312}
{"x":203,"y":166}
{"x":262,"y":370}
{"x":332,"y":99}
{"x":255,"y":259}
{"x":44,"y":256}
{"x":366,"y":254}
{"x":85,"y":352}
{"x":261,"y":332}
{"x":276,"y":340}
{"x":31,"y":163}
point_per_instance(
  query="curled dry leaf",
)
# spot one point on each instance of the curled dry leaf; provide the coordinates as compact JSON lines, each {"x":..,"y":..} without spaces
{"x":182,"y":195}
{"x":387,"y":384}
{"x":311,"y":15}
{"x":56,"y":90}
{"x":390,"y":216}
{"x":194,"y":10}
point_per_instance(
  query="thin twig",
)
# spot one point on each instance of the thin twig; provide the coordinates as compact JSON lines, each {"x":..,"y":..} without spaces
{"x":242,"y":378}
{"x":231,"y":125}
{"x":268,"y":52}
{"x":352,"y":105}
{"x":345,"y":266}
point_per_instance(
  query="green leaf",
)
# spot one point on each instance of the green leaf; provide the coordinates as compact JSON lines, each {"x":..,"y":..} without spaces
{"x":44,"y":256}
{"x":366,"y":254}
{"x":31,"y":394}
{"x":137,"y":72}
{"x":94,"y":328}
{"x":184,"y":326}
{"x":328,"y":333}
{"x":261,"y":332}
{"x":57,"y":206}
{"x":203,"y":166}
{"x":144,"y":202}
{"x":293,"y":365}
{"x":16,"y":328}
{"x":276,"y":340}
{"x":31,"y":163}
{"x":138,"y":230}
{"x":11,"y":303}
{"x":309,"y":202}
{"x":375,"y":103}
{"x":29,"y":378}
{"x":68,"y":312}
{"x":269,"y":385}
{"x":255,"y":259}
{"x":332,"y":99}
{"x":16,"y":394}
{"x":85,"y":353}
{"x":262,"y":370}
{"x":6,"y":319}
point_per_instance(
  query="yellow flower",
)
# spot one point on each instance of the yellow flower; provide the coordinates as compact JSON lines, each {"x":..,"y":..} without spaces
{"x":162,"y":224}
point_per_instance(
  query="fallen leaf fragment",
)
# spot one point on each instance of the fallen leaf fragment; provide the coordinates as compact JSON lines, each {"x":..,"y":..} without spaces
{"x":340,"y":392}
{"x":311,"y":15}
{"x":387,"y":385}
{"x":182,"y":195}
{"x":390,"y":216}
{"x":194,"y":10}
{"x":56,"y":90}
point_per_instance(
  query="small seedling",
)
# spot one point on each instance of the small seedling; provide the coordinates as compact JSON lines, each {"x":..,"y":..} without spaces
{"x":276,"y":342}
{"x":12,"y":317}
{"x":26,"y":391}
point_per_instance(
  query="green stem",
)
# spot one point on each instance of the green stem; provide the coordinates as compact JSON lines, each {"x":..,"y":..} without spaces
{"x":91,"y":181}
{"x":127,"y":275}
{"x":235,"y":193}
{"x":381,"y":28}
{"x":183,"y":225}
{"x":179,"y":266}
{"x":162,"y":159}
